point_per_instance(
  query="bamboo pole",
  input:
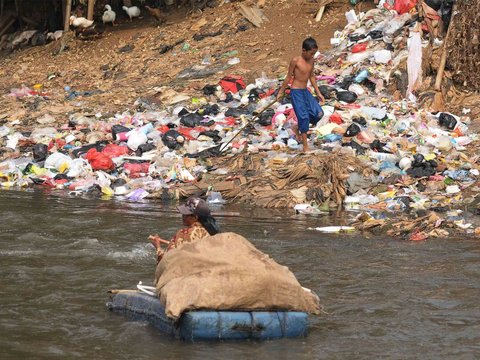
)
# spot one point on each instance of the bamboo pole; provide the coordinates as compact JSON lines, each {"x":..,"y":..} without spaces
{"x":91,"y":5}
{"x":68,"y":11}
{"x":438,"y":100}
{"x":443,"y":60}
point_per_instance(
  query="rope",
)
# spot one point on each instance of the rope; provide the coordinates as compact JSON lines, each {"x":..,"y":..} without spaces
{"x":149,"y":290}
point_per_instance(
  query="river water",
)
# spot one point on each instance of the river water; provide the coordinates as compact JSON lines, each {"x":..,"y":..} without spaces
{"x":384,"y":298}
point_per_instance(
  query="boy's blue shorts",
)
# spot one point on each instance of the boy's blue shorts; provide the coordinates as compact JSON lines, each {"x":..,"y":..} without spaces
{"x":307,"y":109}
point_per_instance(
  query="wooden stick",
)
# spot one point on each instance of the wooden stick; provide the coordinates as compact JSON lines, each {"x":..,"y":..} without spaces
{"x":68,"y":11}
{"x":118,"y":291}
{"x":320,"y":14}
{"x":255,"y":117}
{"x":165,"y":242}
{"x":443,"y":60}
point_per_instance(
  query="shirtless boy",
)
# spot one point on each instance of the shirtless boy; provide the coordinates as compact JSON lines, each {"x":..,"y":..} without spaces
{"x":307,"y":109}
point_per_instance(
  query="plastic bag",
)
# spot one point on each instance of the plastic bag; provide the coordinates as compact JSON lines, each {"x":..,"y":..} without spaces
{"x":213,"y":134}
{"x":347,"y":96}
{"x":404,"y":6}
{"x":382,"y":56}
{"x":215,"y":198}
{"x":353,"y":130}
{"x":135,"y":170}
{"x":360,"y":120}
{"x":336,"y":118}
{"x":40,"y":152}
{"x":434,"y":4}
{"x":414,"y":62}
{"x":173,"y":139}
{"x":117,"y":129}
{"x":78,"y":167}
{"x":351,"y":16}
{"x":58,"y":161}
{"x":113,"y":150}
{"x":357,"y":89}
{"x":358,"y":57}
{"x":191,"y":120}
{"x":362,"y":76}
{"x":99,"y":161}
{"x":393,"y":26}
{"x":357,"y":48}
{"x":265,"y":118}
{"x":327,"y":92}
{"x":136,"y":139}
{"x":447,"y":120}
{"x":232,"y":84}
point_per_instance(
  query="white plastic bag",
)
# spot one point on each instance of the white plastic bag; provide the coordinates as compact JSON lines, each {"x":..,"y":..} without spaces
{"x":78,"y":167}
{"x":351,"y":17}
{"x":357,"y":89}
{"x":414,"y":63}
{"x":58,"y":161}
{"x":135,"y":139}
{"x":382,"y":56}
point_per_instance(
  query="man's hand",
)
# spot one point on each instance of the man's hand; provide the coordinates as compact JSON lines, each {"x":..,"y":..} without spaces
{"x":156,"y":241}
{"x":321,"y":99}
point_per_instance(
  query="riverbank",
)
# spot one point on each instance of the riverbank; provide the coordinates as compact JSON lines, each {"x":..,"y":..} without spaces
{"x":373,"y":150}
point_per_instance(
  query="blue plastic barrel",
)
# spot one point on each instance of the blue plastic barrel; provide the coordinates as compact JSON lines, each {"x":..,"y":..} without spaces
{"x":212,"y":325}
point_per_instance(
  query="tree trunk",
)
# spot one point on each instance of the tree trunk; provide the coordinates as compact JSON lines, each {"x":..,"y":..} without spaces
{"x":91,"y":6}
{"x":68,"y":11}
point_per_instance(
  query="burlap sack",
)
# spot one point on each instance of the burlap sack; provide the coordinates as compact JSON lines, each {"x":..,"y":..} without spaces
{"x":226,"y":272}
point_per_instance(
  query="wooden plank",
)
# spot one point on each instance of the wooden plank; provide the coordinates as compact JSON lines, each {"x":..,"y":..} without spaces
{"x":252,"y":14}
{"x":320,"y":14}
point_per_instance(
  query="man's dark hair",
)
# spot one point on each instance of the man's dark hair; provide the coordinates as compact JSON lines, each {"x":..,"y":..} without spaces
{"x":309,"y":44}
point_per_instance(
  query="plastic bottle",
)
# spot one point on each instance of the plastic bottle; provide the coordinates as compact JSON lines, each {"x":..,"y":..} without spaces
{"x":146,"y":128}
{"x":461,"y":128}
{"x":361,"y":76}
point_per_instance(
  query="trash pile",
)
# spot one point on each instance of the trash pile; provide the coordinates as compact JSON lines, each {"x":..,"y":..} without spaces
{"x":422,"y":161}
{"x":373,"y":150}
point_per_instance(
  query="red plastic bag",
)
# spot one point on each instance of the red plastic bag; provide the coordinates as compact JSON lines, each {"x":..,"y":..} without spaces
{"x":113,"y":150}
{"x":336,"y":118}
{"x":404,"y":6}
{"x":58,"y":143}
{"x":99,"y":161}
{"x":186,"y":132}
{"x":359,"y":47}
{"x":230,"y":121}
{"x":232,"y":83}
{"x":135,"y":170}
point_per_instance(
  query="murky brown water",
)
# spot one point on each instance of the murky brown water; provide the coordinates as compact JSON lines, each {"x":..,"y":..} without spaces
{"x":385,"y":298}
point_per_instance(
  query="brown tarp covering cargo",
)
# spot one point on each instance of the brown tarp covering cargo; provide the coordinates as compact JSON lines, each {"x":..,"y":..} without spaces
{"x":226,"y":272}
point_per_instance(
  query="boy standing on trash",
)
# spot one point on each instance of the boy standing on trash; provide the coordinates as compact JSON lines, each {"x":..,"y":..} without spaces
{"x":307,"y":109}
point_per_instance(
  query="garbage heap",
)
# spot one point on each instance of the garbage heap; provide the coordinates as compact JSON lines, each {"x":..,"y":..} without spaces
{"x":375,"y":150}
{"x":423,"y":161}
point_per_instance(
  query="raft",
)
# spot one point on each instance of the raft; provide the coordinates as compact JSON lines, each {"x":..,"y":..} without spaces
{"x":211,"y":325}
